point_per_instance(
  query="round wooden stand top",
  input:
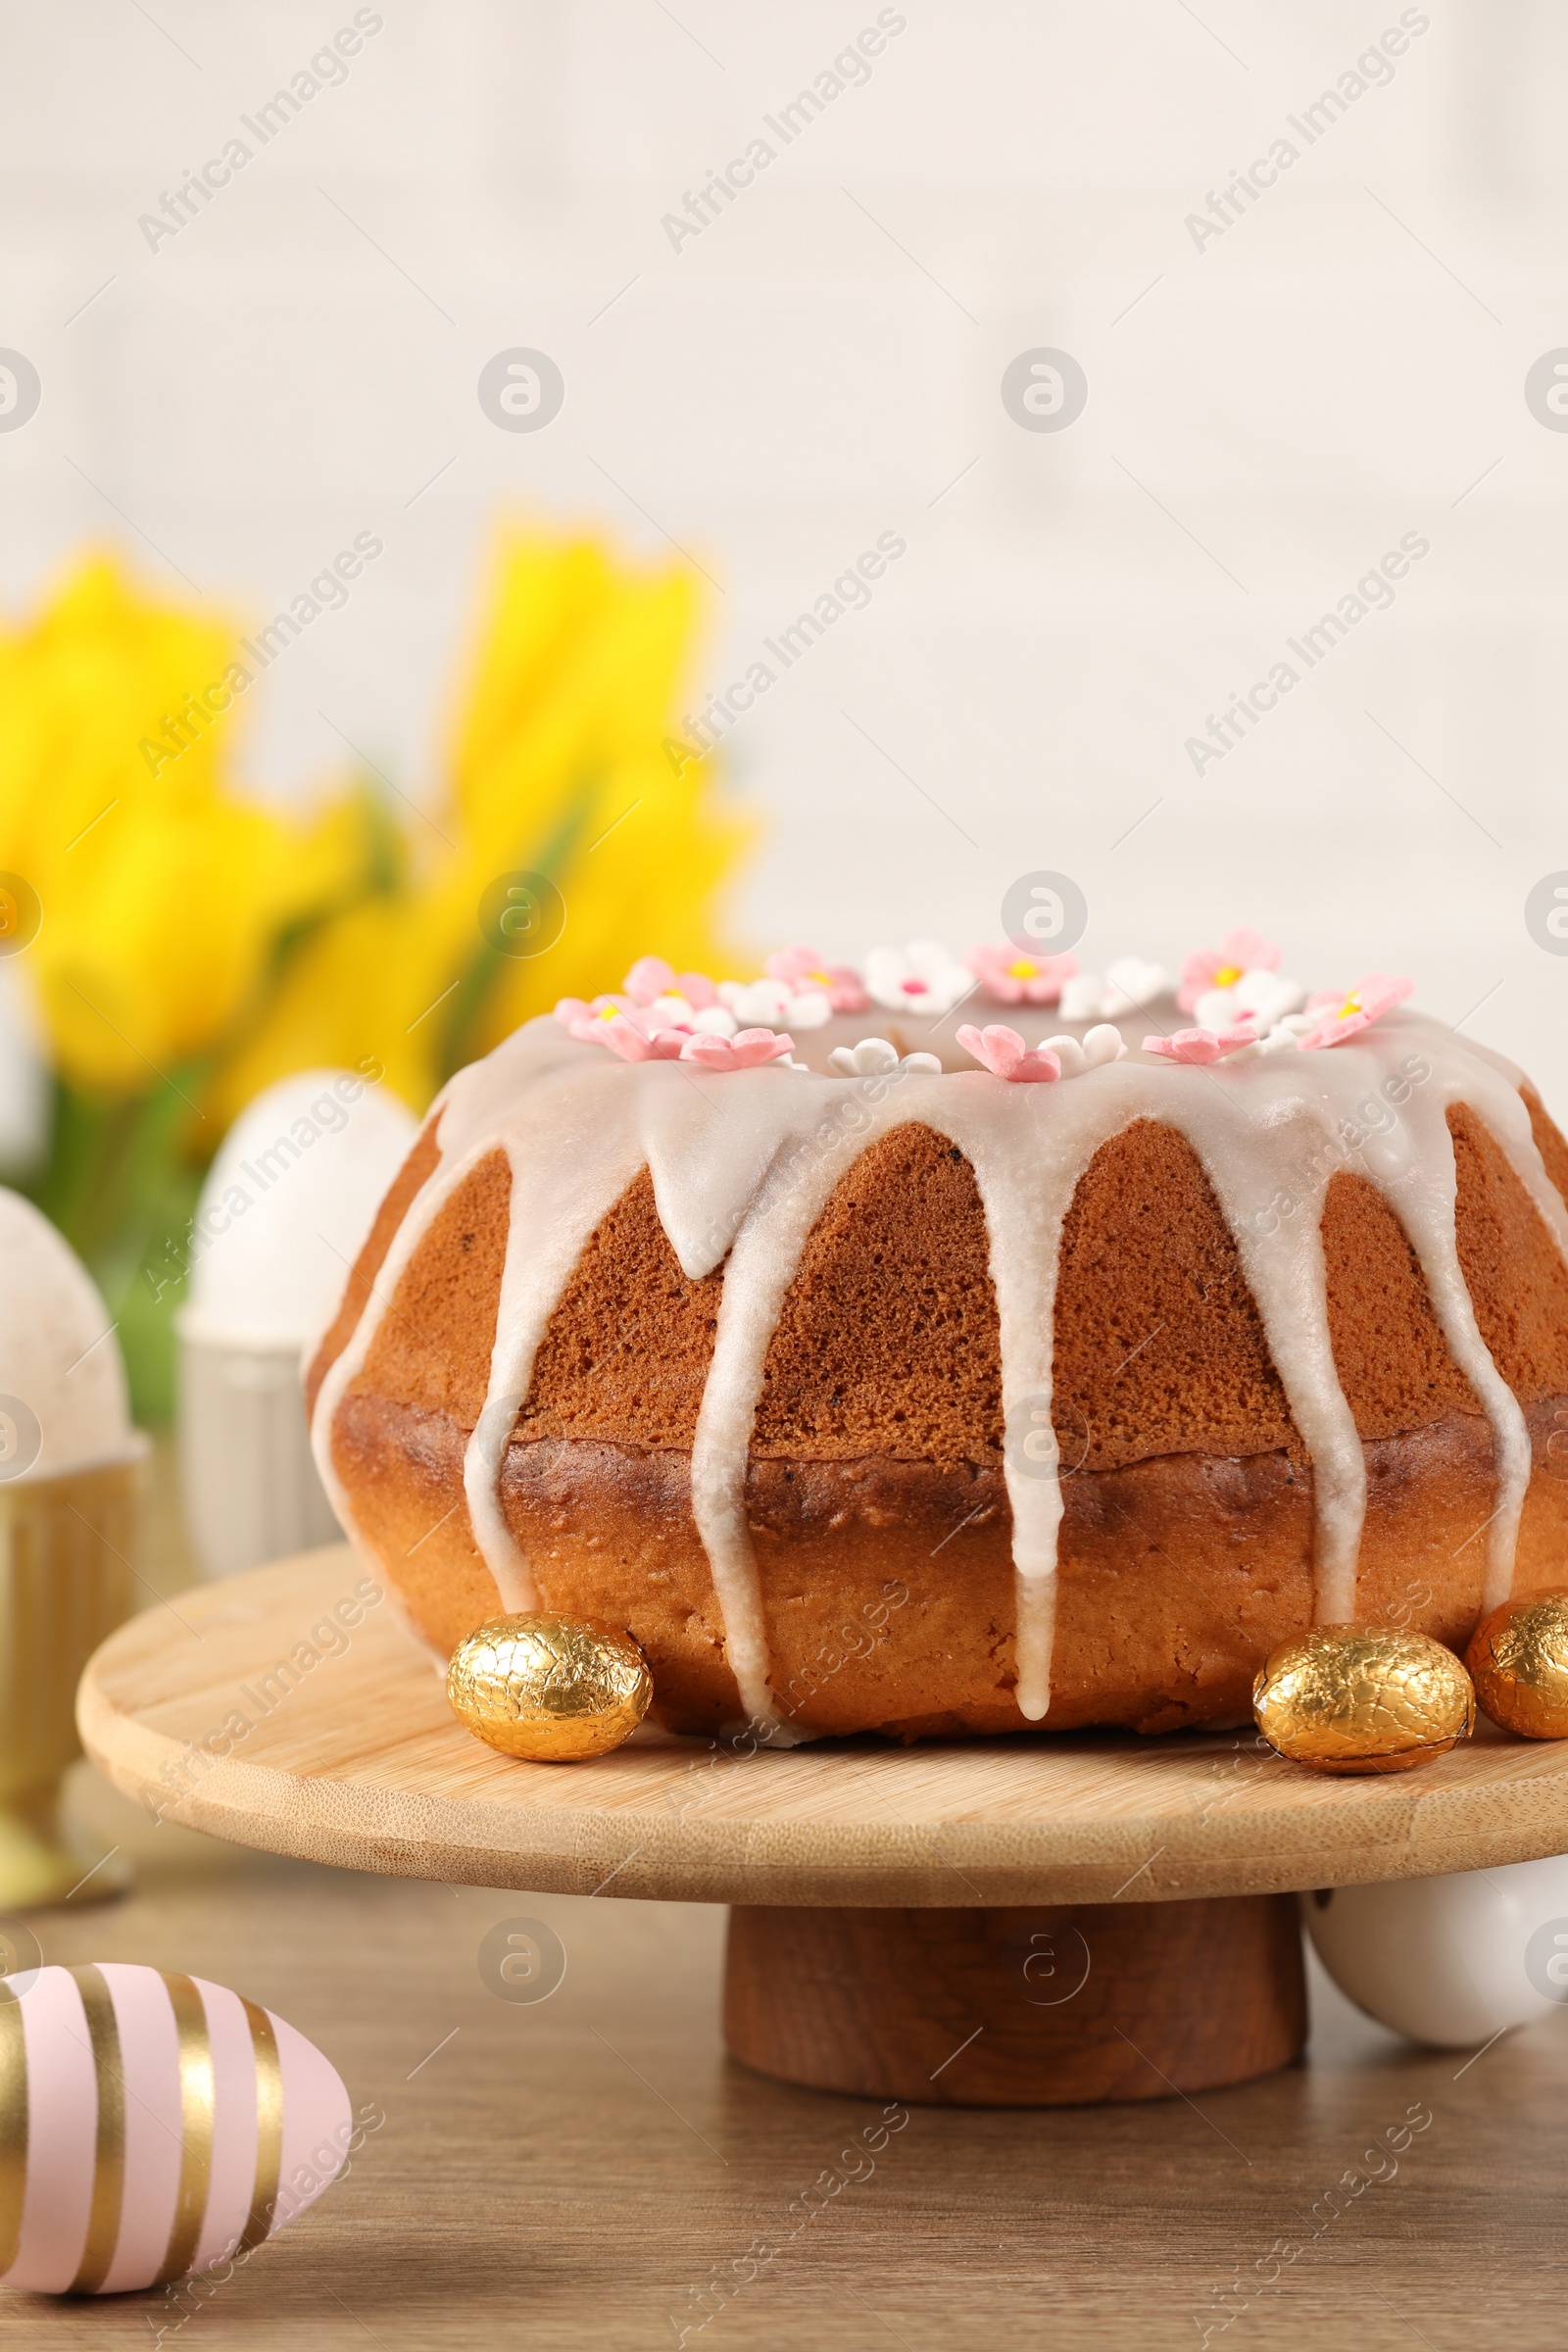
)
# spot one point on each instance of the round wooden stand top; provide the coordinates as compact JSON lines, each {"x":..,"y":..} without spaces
{"x":256,"y":1715}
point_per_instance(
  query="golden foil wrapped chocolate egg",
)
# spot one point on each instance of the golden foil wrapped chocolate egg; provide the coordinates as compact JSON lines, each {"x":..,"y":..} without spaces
{"x":1363,"y":1698}
{"x":553,"y":1688}
{"x":1519,"y":1659}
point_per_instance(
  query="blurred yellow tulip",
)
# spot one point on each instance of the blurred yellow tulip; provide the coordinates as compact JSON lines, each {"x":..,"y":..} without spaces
{"x":163,"y":894}
{"x":562,"y":763}
{"x":196,"y":944}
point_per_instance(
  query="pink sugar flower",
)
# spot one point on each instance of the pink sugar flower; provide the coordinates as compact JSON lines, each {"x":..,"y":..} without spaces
{"x":623,"y":1037}
{"x":1239,"y":952}
{"x":1201,"y":1046}
{"x":747,"y":1050}
{"x":1012,"y":978}
{"x":586,"y":1022}
{"x":650,"y":978}
{"x":801,"y":968}
{"x":1344,"y":1018}
{"x":1003,"y":1053}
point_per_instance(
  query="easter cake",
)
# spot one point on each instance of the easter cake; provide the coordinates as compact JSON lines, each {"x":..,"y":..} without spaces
{"x":954,"y":1348}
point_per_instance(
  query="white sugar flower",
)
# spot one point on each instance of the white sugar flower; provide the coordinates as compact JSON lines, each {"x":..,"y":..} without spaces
{"x":875,"y":1057}
{"x":1265,"y":997}
{"x":1129,"y":985}
{"x":773,"y":1004}
{"x":1080,"y":996}
{"x":1284,"y":1038}
{"x":1099,"y":1045}
{"x":676,"y":1012}
{"x":922,"y":977}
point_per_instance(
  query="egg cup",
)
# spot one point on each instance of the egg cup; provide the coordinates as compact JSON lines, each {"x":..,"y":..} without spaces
{"x":248,"y":1480}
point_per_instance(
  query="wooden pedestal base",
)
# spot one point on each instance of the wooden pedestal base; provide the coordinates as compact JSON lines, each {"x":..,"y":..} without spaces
{"x":1018,"y":2008}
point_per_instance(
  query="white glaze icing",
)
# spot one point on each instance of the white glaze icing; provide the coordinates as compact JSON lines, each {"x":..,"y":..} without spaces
{"x":742,"y":1165}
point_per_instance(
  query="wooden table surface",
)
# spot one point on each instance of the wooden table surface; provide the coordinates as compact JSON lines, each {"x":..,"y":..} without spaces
{"x":568,"y":2173}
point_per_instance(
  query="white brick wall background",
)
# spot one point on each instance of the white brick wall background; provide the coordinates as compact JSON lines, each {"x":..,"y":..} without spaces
{"x":1265,"y":418}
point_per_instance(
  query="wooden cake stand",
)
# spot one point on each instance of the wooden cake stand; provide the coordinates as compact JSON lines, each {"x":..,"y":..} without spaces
{"x":1035,"y":1921}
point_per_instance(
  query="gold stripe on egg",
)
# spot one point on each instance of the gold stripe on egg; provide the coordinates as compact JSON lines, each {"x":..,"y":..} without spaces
{"x":268,"y":2124}
{"x":109,"y":2153}
{"x":196,"y":2108}
{"x":13,"y":2124}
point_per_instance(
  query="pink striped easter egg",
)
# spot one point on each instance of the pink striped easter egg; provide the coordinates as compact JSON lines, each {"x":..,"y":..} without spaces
{"x":152,"y":2125}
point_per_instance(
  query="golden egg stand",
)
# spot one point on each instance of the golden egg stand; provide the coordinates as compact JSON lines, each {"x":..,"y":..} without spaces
{"x":1036,"y":1921}
{"x":66,"y":1546}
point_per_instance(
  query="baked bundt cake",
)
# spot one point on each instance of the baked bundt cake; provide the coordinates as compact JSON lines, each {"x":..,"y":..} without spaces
{"x":886,"y":1375}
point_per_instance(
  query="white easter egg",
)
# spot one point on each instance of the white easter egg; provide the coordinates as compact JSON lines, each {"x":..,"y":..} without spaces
{"x":289,"y":1201}
{"x":152,"y":2125}
{"x":1450,"y":1960}
{"x":59,"y":1356}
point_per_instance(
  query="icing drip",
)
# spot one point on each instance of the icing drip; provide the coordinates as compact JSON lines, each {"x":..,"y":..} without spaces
{"x":1026,"y":1170}
{"x":442,"y":1181}
{"x":1279,"y":1240}
{"x":1415,"y":1169}
{"x":761,"y":1266}
{"x":546,"y":1102}
{"x":742,"y":1166}
{"x":561,"y":1186}
{"x":1026,"y":1177}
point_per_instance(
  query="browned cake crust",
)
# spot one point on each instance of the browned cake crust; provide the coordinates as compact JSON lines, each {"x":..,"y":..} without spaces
{"x":878,"y":1512}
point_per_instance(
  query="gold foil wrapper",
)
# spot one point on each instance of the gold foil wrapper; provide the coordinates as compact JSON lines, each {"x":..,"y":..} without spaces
{"x":1518,"y":1658}
{"x":556,"y":1690}
{"x":1359,"y":1698}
